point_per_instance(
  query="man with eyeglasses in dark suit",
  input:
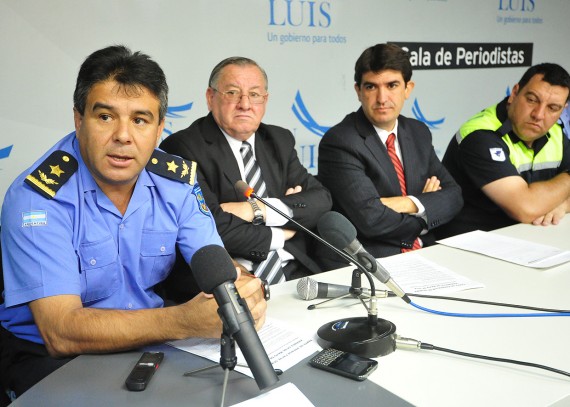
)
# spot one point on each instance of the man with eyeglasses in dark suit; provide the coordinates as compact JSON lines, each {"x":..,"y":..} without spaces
{"x":231,"y":144}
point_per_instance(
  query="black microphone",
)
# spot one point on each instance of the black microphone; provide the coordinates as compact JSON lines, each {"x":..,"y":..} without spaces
{"x":309,"y":289}
{"x":342,"y":234}
{"x":215,"y":273}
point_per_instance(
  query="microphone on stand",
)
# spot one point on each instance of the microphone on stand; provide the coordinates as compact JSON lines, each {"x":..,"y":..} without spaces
{"x":365,"y":336}
{"x":215,"y":273}
{"x":342,"y":234}
{"x":309,"y":289}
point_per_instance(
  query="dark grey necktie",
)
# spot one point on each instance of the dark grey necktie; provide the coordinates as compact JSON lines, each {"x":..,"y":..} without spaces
{"x":271,"y":268}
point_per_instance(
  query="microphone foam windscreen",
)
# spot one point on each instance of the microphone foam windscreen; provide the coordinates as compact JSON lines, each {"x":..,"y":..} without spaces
{"x":242,"y":188}
{"x":212,"y":266}
{"x":336,"y":229}
{"x":307,"y":288}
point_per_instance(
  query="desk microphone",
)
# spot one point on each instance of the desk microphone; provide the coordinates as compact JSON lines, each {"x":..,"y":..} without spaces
{"x":309,"y":289}
{"x":215,"y":273}
{"x":342,"y":234}
{"x":366,"y":336}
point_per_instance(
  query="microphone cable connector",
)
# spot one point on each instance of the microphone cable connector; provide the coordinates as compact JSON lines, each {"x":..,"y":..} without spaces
{"x":384,"y":294}
{"x":407,"y":343}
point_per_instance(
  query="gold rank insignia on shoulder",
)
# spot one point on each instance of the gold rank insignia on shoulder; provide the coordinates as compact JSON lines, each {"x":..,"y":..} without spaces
{"x":172,"y":167}
{"x":52,"y":173}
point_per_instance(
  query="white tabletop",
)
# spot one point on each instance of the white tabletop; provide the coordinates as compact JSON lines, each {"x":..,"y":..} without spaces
{"x":433,"y":378}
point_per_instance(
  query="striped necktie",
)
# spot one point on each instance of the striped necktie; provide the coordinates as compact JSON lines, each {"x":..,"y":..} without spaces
{"x":271,"y":268}
{"x":390,"y":146}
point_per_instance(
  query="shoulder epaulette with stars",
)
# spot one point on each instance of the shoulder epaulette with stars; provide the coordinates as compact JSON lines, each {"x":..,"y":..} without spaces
{"x":172,"y":167}
{"x":52,"y":173}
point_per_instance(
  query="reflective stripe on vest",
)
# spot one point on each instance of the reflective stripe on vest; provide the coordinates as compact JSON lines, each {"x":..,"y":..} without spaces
{"x":522,"y":157}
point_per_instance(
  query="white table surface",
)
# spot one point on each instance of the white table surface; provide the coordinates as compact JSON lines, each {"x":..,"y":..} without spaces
{"x":433,"y":378}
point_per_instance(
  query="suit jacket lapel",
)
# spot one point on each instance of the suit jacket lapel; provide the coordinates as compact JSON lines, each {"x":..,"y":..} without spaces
{"x":267,"y":160}
{"x":225,"y":157}
{"x":409,"y":157}
{"x":378,"y":150}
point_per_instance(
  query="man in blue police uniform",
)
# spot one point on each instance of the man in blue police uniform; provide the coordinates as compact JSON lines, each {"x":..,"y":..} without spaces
{"x":512,"y":160}
{"x":92,"y":226}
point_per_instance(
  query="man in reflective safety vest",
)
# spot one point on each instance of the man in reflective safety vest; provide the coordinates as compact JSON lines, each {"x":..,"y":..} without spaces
{"x":512,"y":159}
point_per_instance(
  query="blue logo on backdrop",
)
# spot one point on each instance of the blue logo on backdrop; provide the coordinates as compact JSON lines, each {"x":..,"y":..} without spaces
{"x":517,"y":12}
{"x":307,"y":153}
{"x":417,"y":112}
{"x":173,"y":112}
{"x":303,"y":115}
{"x":517,"y":5}
{"x":5,"y":152}
{"x":299,"y":13}
{"x":565,"y":121}
{"x":309,"y":18}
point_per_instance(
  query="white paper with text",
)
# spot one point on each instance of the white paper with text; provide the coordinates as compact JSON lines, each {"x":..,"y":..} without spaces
{"x":284,"y":347}
{"x":513,"y":250}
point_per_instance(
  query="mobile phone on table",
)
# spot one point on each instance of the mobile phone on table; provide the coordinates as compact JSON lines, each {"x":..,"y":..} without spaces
{"x":144,"y":370}
{"x":344,"y":363}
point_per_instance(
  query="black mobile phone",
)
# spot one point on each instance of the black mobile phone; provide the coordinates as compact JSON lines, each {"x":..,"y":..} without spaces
{"x":344,"y":363}
{"x":144,"y":370}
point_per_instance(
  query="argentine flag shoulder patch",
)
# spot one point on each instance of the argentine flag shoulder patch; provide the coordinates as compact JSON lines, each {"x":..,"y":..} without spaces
{"x":34,"y":218}
{"x":497,"y":154}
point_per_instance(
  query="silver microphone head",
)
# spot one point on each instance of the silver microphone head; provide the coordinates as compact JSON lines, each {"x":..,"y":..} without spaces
{"x":307,"y":288}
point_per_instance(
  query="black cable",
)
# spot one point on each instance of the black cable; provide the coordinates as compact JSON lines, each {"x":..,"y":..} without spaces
{"x":500,"y":304}
{"x":473,"y":355}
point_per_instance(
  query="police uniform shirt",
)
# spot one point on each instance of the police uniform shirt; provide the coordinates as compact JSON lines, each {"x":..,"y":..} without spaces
{"x":79,"y":243}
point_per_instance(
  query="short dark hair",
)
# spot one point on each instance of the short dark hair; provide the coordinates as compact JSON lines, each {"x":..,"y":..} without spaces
{"x":130,"y":69}
{"x":240,"y":61}
{"x":553,"y":74}
{"x":380,"y":57}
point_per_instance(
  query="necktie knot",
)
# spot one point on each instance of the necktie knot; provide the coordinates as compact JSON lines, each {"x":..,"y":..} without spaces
{"x":390,"y":141}
{"x":245,"y":148}
{"x":391,"y":148}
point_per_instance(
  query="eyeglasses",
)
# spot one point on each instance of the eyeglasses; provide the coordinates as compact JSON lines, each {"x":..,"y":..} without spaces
{"x":234,"y":96}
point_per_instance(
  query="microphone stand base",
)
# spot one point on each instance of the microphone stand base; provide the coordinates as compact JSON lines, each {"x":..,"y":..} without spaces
{"x":357,"y":336}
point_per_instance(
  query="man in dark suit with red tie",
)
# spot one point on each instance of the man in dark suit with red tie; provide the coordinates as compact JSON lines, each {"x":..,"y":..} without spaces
{"x":230,"y":144}
{"x":381,"y":167}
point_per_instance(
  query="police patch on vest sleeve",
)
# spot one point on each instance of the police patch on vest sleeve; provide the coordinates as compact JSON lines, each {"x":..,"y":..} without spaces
{"x":497,"y":154}
{"x":172,"y":167}
{"x":197,"y":191}
{"x":52,"y":173}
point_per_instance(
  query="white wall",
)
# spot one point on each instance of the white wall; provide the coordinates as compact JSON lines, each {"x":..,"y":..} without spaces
{"x":43,"y":43}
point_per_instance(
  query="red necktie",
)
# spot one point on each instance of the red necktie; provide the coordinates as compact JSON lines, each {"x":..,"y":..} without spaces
{"x":400,"y":173}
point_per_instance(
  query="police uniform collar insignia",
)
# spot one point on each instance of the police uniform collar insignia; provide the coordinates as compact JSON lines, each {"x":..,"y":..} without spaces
{"x":52,"y":173}
{"x":172,"y":167}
